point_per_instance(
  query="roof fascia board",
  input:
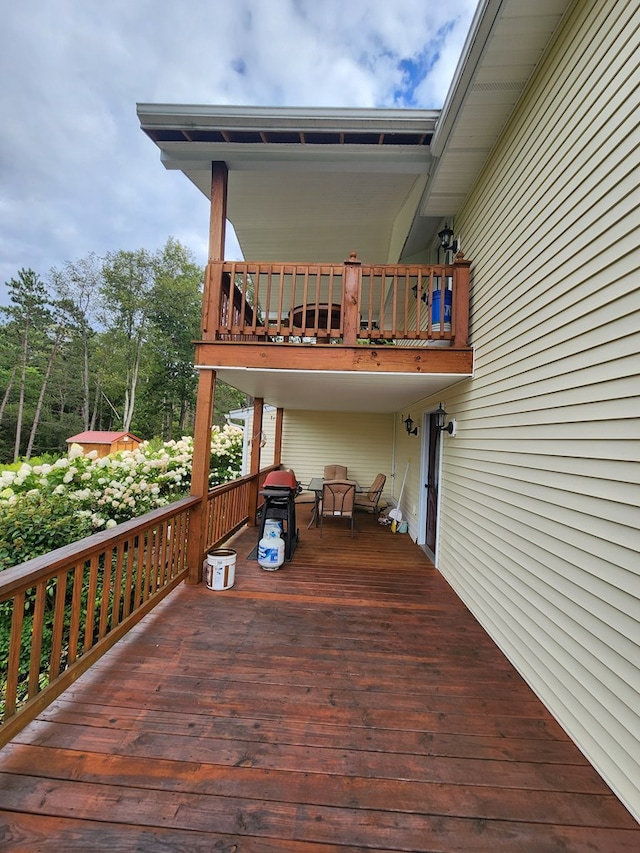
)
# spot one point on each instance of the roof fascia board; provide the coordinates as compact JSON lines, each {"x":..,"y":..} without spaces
{"x":285,"y":118}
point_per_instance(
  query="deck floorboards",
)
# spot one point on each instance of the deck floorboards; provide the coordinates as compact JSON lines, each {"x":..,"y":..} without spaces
{"x":346,"y":702}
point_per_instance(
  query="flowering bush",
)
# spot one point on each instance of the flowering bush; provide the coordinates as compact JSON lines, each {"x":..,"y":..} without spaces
{"x":99,"y":493}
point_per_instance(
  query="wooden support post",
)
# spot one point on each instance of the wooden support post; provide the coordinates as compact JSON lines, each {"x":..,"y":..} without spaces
{"x":461,"y":282}
{"x":200,"y":467}
{"x":277,"y":451}
{"x":201,"y":464}
{"x":212,"y":294}
{"x":256,"y":434}
{"x":352,"y":280}
{"x":218,"y":210}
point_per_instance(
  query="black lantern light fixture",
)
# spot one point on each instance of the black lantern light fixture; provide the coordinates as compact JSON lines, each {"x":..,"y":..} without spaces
{"x":447,"y":243}
{"x":441,"y":424}
{"x":408,"y":425}
{"x":424,"y":295}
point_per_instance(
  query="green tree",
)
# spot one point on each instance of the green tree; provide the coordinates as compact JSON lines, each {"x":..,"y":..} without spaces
{"x":128,"y":278}
{"x":57,"y":335}
{"x":29,"y":312}
{"x":78,"y":285}
{"x":176,"y":306}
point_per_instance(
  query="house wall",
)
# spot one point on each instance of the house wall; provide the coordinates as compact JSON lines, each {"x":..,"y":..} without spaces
{"x":540,"y":493}
{"x":362,"y":442}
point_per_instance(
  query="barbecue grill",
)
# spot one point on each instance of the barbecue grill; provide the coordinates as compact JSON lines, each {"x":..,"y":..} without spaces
{"x":279,"y":493}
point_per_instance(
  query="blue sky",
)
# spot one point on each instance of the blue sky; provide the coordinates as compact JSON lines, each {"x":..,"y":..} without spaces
{"x":77,"y":175}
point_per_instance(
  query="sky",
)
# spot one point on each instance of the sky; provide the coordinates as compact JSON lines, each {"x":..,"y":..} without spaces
{"x":77,"y":175}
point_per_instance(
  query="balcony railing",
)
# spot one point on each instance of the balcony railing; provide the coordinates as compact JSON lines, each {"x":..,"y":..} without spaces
{"x":348,"y":303}
{"x":68,"y":607}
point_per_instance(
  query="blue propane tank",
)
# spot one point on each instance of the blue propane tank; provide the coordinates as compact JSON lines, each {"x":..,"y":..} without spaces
{"x":271,"y":549}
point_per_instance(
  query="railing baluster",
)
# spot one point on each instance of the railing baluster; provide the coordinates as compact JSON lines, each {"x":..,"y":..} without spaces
{"x":117,"y":586}
{"x":36,"y":639}
{"x":55,"y":663}
{"x":105,"y":596}
{"x":91,"y":602}
{"x":76,"y":611}
{"x":15,"y":648}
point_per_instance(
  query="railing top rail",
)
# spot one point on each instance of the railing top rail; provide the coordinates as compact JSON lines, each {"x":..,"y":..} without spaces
{"x":279,"y":266}
{"x":26,"y":574}
{"x":298,"y":266}
{"x":411,"y":269}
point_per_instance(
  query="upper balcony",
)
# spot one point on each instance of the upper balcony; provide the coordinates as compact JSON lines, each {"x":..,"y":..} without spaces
{"x":348,"y":318}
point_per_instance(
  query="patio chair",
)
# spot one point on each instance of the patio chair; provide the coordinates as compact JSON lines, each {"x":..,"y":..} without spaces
{"x":337,"y":501}
{"x":370,"y":499}
{"x":335,"y":472}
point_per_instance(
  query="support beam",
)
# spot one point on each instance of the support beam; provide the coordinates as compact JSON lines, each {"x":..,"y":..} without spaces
{"x":218,"y":210}
{"x":201,"y":465}
{"x":352,"y":276}
{"x":461,"y":307}
{"x":206,"y":380}
{"x":277,"y":451}
{"x":256,"y":433}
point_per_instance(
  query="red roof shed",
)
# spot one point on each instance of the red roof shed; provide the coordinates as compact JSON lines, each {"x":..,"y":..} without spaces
{"x":104,"y":441}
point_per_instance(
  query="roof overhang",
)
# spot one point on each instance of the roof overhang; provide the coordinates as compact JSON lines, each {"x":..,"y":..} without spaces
{"x":304,"y":184}
{"x":506,"y":42}
{"x":315,"y":184}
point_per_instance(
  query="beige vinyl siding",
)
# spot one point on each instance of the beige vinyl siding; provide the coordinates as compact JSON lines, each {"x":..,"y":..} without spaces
{"x":362,"y":442}
{"x":540,"y":496}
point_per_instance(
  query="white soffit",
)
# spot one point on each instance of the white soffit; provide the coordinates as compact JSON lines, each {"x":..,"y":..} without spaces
{"x":505,"y":44}
{"x":315,"y":390}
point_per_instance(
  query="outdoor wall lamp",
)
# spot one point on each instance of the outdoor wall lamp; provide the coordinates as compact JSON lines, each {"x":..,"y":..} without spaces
{"x":408,"y":425}
{"x":447,"y":243}
{"x":441,"y":417}
{"x":424,"y":296}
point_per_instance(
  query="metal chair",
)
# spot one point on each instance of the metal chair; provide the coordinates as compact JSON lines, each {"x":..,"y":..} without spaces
{"x":337,"y":501}
{"x":371,"y":497}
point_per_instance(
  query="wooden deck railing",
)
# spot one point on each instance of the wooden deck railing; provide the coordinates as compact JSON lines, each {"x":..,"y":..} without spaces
{"x":228,"y":507}
{"x":65,"y":609}
{"x":350,"y":302}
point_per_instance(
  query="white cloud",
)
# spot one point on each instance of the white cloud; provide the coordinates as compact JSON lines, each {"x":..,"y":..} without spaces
{"x":77,"y":174}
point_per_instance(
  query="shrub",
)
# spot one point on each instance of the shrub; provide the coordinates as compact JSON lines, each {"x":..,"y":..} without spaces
{"x":35,"y":525}
{"x":47,"y":505}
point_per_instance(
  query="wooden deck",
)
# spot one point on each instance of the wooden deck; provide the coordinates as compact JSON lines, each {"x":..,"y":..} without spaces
{"x":346,"y":702}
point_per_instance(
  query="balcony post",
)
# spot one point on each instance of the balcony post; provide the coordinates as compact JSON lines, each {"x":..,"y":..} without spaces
{"x":277,"y":450}
{"x":461,"y":281}
{"x":351,"y":319}
{"x":218,"y":210}
{"x":256,"y":434}
{"x":212,"y":295}
{"x":200,"y":467}
{"x":201,"y":462}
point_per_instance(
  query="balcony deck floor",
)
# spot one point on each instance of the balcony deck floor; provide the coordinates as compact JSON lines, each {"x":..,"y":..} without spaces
{"x":346,"y":702}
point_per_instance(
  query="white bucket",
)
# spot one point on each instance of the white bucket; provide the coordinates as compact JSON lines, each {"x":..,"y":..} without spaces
{"x":220,"y":568}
